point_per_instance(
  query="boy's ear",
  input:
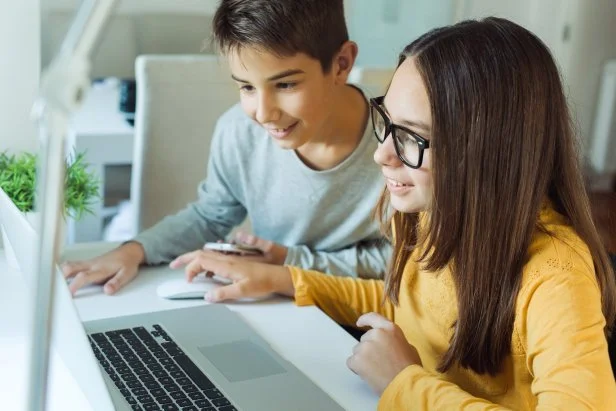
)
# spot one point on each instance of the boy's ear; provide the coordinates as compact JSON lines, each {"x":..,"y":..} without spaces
{"x":343,"y":61}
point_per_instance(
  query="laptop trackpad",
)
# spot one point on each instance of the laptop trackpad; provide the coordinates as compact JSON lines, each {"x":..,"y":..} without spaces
{"x":241,"y":360}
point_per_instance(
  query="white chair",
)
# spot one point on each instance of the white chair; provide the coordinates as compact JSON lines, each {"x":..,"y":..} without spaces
{"x":179,"y":99}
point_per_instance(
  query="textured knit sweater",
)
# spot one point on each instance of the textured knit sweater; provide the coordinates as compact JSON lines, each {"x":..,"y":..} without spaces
{"x":559,"y":358}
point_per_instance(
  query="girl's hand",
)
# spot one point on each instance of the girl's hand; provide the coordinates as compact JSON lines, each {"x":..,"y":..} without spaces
{"x":273,"y":253}
{"x":250,"y":279}
{"x":382,"y":352}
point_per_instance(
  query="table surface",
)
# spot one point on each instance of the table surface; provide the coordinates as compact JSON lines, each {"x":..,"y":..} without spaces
{"x":303,"y":335}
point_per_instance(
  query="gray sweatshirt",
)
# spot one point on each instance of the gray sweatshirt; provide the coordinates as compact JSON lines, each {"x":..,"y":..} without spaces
{"x":323,"y":217}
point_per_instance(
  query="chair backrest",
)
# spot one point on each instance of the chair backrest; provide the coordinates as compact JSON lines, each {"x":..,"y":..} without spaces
{"x":179,"y":99}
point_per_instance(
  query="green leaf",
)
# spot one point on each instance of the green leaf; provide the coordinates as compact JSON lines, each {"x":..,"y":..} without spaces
{"x":18,"y":181}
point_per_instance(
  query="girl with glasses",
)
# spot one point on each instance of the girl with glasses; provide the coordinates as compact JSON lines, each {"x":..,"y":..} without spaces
{"x":499,"y":293}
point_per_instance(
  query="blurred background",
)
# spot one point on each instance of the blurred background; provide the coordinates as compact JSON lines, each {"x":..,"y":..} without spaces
{"x":580,"y":33}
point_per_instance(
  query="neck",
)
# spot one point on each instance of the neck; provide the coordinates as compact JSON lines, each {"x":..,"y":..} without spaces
{"x":341,"y":134}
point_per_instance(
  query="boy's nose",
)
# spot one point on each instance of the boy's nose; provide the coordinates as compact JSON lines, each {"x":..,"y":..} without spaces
{"x":267,"y":110}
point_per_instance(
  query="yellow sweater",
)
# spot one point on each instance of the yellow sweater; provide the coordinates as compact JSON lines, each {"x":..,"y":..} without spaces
{"x":559,"y":358}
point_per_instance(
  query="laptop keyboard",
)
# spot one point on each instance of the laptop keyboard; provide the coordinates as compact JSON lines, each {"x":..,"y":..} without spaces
{"x":153,"y":373}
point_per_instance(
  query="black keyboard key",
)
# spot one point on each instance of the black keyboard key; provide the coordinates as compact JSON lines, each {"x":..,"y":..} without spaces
{"x":164,"y":400}
{"x":219,"y":402}
{"x":141,"y":332}
{"x":196,"y":395}
{"x":170,"y":407}
{"x":139,"y":391}
{"x":144,"y":399}
{"x":149,"y":361}
{"x":161,"y":355}
{"x":172,"y":367}
{"x":140,"y":370}
{"x":190,"y":408}
{"x":152,"y":385}
{"x":98,"y":337}
{"x":177,"y":395}
{"x":147,"y":378}
{"x":194,"y":372}
{"x":213,"y":394}
{"x":122,"y":369}
{"x":158,"y":392}
{"x":125,"y":393}
{"x":202,"y":403}
{"x":129,"y":377}
{"x":151,"y":407}
{"x":184,"y":402}
{"x":183,"y":381}
{"x":172,"y":387}
{"x":190,"y":388}
{"x":177,"y":374}
{"x":136,"y":407}
{"x":165,"y":380}
{"x":133,"y":384}
{"x":161,"y":375}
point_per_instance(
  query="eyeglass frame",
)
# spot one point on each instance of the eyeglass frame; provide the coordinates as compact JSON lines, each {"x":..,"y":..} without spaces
{"x":376,"y":103}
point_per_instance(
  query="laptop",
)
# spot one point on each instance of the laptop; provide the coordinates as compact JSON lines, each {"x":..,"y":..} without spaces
{"x":197,"y":358}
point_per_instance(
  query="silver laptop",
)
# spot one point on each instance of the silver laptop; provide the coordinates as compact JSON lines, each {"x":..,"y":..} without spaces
{"x":197,"y":358}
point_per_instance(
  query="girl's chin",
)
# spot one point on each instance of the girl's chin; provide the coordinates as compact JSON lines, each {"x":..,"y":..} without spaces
{"x":407,"y":205}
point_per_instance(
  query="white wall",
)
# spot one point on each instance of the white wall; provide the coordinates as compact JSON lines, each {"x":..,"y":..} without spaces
{"x":580,"y":33}
{"x":19,"y":73}
{"x":382,"y":28}
{"x":593,"y":42}
{"x":135,"y":27}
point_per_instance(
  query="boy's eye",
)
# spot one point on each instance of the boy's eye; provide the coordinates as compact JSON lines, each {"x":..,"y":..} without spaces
{"x":286,"y":86}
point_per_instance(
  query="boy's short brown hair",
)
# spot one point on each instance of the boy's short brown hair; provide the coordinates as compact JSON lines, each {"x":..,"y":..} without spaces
{"x":282,"y":27}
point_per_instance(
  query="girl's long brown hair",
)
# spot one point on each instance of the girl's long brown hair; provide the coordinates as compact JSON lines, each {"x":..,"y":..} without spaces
{"x":502,"y":142}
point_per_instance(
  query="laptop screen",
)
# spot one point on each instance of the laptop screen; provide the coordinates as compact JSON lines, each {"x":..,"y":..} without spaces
{"x":69,"y":339}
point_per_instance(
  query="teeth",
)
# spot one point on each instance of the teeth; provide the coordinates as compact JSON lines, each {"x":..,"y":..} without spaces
{"x":397,"y":183}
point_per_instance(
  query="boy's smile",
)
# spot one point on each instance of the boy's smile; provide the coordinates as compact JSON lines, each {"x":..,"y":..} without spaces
{"x":288,"y":96}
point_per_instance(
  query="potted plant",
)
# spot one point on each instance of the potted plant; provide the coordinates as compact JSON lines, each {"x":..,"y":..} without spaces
{"x":18,"y":181}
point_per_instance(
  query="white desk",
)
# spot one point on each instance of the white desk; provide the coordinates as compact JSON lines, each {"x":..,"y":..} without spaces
{"x":100,"y":130}
{"x":303,"y":335}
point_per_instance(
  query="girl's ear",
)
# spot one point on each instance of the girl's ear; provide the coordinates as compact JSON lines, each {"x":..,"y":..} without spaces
{"x":343,"y":62}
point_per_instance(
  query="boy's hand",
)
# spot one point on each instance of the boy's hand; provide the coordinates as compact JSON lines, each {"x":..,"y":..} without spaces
{"x":382,"y":353}
{"x":113,"y":269}
{"x":250,"y":279}
{"x":272,"y":253}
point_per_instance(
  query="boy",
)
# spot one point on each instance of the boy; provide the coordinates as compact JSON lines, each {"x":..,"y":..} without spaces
{"x":295,"y":155}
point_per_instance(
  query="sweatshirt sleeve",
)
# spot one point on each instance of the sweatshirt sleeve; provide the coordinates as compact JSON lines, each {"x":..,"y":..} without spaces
{"x":366,"y":259}
{"x":567,"y":349}
{"x":210,"y":218}
{"x":566,"y":353}
{"x":344,"y":299}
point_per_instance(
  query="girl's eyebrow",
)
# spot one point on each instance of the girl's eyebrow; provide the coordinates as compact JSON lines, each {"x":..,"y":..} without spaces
{"x":410,"y":123}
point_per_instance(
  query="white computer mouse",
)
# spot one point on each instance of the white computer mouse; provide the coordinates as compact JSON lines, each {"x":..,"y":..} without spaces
{"x":180,"y":289}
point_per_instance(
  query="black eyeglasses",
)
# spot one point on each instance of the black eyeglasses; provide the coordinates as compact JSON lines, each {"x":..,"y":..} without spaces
{"x":409,"y":146}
